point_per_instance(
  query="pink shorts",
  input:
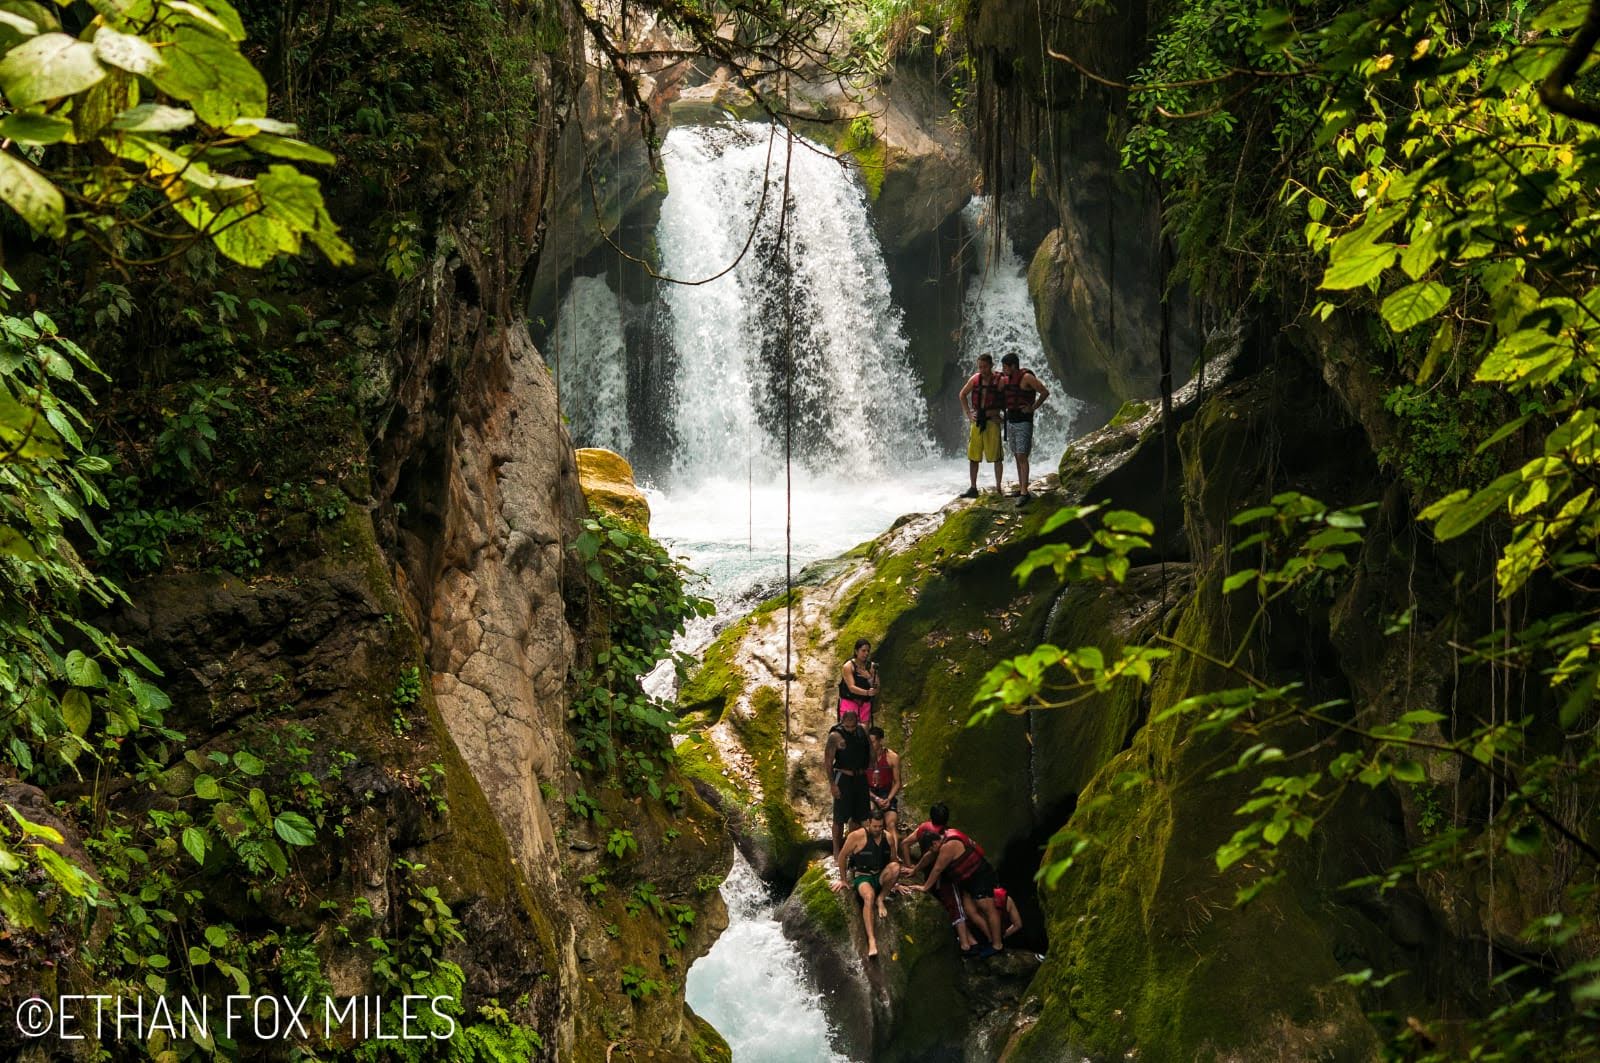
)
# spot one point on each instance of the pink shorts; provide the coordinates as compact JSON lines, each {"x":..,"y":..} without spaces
{"x":863,"y":709}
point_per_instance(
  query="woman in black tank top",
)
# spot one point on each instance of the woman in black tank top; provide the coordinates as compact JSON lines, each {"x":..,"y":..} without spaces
{"x":864,"y":678}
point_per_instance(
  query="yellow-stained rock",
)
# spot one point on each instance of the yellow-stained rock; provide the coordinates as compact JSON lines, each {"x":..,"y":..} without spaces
{"x":607,"y":482}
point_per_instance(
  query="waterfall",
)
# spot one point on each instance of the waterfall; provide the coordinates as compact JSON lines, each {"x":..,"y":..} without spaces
{"x":751,"y":987}
{"x":588,"y":345}
{"x":998,"y":318}
{"x":854,"y":396}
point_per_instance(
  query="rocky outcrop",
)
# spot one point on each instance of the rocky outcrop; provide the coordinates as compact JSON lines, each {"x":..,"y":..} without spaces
{"x":916,"y":1000}
{"x":1091,"y":227}
{"x":607,"y":482}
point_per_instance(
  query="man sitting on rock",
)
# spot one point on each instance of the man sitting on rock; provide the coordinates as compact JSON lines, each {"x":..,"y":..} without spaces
{"x":949,"y":854}
{"x":867,"y":864}
{"x":844,"y":761}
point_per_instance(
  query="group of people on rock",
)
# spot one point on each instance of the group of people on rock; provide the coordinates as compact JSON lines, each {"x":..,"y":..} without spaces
{"x":999,"y":404}
{"x":874,"y":861}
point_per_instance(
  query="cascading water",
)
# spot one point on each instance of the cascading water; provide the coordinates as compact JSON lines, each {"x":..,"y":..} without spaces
{"x":752,"y":987}
{"x":998,"y":318}
{"x":588,"y":345}
{"x":863,"y":452}
{"x":821,"y":297}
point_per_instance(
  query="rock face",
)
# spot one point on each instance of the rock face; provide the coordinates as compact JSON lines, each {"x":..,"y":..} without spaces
{"x":429,"y":636}
{"x":1092,"y":229}
{"x":607,"y":482}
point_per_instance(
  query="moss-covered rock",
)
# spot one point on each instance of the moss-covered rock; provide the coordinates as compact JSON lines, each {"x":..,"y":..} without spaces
{"x":1149,"y":953}
{"x":607,"y":482}
{"x":917,"y":1000}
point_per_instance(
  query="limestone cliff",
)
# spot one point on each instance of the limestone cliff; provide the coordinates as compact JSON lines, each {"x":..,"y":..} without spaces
{"x":407,"y":624}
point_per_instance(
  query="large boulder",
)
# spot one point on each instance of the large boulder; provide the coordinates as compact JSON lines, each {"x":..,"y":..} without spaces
{"x":607,"y":482}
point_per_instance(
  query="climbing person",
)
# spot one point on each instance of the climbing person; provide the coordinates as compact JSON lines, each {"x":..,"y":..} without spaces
{"x":867,"y":863}
{"x":1006,"y":906}
{"x":883,"y":786}
{"x":844,"y":761}
{"x":927,"y":838}
{"x":1021,"y":394}
{"x":947,"y":852}
{"x":858,"y":683}
{"x":981,"y":402}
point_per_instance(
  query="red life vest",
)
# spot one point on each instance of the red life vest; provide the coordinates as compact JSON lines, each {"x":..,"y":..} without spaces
{"x":880,"y":776}
{"x":988,"y":396}
{"x":1001,"y":907}
{"x":962,"y":867}
{"x":1017,"y":399}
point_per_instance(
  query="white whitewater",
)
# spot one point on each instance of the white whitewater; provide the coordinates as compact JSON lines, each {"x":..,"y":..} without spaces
{"x":752,"y":987}
{"x":587,"y":343}
{"x":998,"y":318}
{"x":863,"y":452}
{"x":828,"y":289}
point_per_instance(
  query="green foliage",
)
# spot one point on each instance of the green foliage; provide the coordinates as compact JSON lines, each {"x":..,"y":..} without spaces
{"x":621,"y":843}
{"x":594,"y":884}
{"x":407,"y":692}
{"x":644,"y":896}
{"x":637,"y":983}
{"x":67,"y":689}
{"x":680,"y":920}
{"x":177,"y":119}
{"x":1438,"y":432}
{"x":639,"y":594}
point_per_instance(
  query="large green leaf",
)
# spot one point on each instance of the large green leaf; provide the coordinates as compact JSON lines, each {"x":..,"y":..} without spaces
{"x":208,"y":72}
{"x":295,"y":199}
{"x":289,"y":148}
{"x":126,"y":51}
{"x":76,"y":712}
{"x":153,"y":118}
{"x":35,"y":128}
{"x":29,"y":193}
{"x":1414,"y":304}
{"x":295,"y":829}
{"x":215,"y":15}
{"x":1356,"y":263}
{"x":48,"y":67}
{"x":1460,"y":512}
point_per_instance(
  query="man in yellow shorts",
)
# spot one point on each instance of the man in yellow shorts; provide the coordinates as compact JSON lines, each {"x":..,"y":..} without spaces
{"x":981,"y":400}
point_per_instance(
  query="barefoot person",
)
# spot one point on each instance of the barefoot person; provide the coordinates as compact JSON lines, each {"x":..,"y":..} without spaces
{"x":981,"y":402}
{"x":858,"y":683}
{"x":883,"y":787}
{"x":1022,"y":394}
{"x":949,"y":854}
{"x":868,"y":866}
{"x":844,"y":761}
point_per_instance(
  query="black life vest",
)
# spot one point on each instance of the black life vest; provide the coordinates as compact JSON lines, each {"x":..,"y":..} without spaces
{"x":844,"y":691}
{"x":872,"y":857}
{"x":853,"y":755}
{"x":1018,"y":400}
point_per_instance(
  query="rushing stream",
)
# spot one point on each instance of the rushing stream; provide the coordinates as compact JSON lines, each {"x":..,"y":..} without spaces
{"x":863,"y":455}
{"x":752,"y":986}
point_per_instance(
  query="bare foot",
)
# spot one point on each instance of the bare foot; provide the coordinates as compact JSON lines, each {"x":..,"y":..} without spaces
{"x":872,"y":953}
{"x":883,"y":913}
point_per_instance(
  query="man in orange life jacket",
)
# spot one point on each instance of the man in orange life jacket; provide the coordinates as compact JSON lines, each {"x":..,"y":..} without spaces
{"x":983,"y":410}
{"x":1021,"y":393}
{"x":951,"y":854}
